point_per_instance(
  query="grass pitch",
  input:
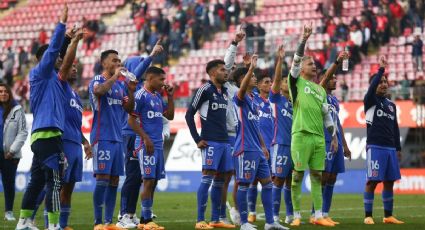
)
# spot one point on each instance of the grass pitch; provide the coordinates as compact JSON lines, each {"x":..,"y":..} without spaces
{"x":177,"y":211}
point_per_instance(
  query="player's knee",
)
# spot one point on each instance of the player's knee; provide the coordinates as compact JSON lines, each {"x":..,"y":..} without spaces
{"x":265,"y":181}
{"x":331,"y":179}
{"x":371,"y":184}
{"x":114,"y":181}
{"x":297,"y":176}
{"x":277,"y":181}
{"x":316,"y":175}
{"x":388,"y":185}
{"x":209,"y":172}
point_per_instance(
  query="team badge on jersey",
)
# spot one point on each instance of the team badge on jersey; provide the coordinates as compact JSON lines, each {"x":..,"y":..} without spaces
{"x":148,"y":170}
{"x":390,"y":107}
{"x":101,"y":166}
{"x":209,"y":161}
{"x":247,"y":175}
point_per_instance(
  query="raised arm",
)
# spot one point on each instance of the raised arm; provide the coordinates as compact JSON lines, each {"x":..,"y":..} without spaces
{"x":230,"y":56}
{"x":299,"y":54}
{"x":370,"y":97}
{"x":70,"y":55}
{"x":101,"y":89}
{"x":143,"y":66}
{"x":169,"y":113}
{"x":47,"y":62}
{"x":247,"y":78}
{"x":278,"y":72}
{"x":332,"y":69}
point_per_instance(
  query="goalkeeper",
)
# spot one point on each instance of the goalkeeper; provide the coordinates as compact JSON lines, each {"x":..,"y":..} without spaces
{"x":310,"y":114}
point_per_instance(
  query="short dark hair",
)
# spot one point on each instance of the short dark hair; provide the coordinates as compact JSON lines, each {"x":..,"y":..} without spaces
{"x":238,"y":74}
{"x":375,"y":75}
{"x":154,"y":70}
{"x":40,"y":51}
{"x":106,"y":53}
{"x":262,"y":75}
{"x":214,"y":63}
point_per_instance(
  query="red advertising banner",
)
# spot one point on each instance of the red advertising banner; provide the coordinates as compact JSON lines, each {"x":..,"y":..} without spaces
{"x":412,"y":182}
{"x":351,"y":115}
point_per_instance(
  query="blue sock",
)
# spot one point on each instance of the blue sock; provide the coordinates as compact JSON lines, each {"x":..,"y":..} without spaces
{"x":99,"y":199}
{"x":147,"y":209}
{"x":327,"y":197}
{"x":64,"y":215}
{"x":202,"y":196}
{"x":388,"y":200}
{"x":110,"y":200}
{"x":277,"y":197}
{"x":288,"y":201}
{"x":216,"y":191}
{"x":242,"y":202}
{"x":266,"y":198}
{"x":252,"y":197}
{"x":368,"y":202}
{"x":223,"y":211}
{"x":46,"y":219}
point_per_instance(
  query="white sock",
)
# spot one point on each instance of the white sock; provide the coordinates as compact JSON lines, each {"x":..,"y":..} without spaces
{"x":318,"y":214}
{"x":252,"y":213}
{"x":325,"y":214}
{"x":297,"y":215}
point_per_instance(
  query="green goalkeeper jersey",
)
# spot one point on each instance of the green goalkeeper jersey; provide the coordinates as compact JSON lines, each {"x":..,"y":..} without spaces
{"x":308,"y":99}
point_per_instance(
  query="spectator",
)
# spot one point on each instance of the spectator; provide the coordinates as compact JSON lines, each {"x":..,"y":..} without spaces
{"x":22,"y":60}
{"x":396,"y":16}
{"x":250,"y":34}
{"x":237,"y":11}
{"x":8,"y":65}
{"x":34,"y":47}
{"x":219,"y":15}
{"x":417,"y":52}
{"x":337,"y":8}
{"x":42,"y":37}
{"x":228,"y":13}
{"x":381,"y":27}
{"x":344,"y":89}
{"x":366,"y":38}
{"x":261,"y":35}
{"x":14,"y":133}
{"x":405,"y":88}
{"x":356,"y":37}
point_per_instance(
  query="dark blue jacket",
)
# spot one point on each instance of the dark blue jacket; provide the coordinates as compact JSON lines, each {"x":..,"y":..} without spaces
{"x":381,"y":117}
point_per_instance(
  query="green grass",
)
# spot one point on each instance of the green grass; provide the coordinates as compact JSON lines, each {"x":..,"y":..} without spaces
{"x":177,"y":211}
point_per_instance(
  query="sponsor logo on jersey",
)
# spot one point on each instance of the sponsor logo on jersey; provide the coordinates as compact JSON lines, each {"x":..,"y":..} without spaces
{"x":215,"y":106}
{"x":381,"y":113}
{"x":148,"y":170}
{"x":74,"y":104}
{"x":252,"y":116}
{"x":153,"y":114}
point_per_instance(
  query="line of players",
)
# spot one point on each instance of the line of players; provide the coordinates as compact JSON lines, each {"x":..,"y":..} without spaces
{"x":273,"y":135}
{"x":128,"y":117}
{"x":233,"y":137}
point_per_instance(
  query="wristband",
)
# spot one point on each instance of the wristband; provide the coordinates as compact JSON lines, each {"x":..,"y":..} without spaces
{"x":336,"y":62}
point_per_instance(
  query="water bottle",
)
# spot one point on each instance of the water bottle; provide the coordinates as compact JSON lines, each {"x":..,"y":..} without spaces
{"x":345,"y":62}
{"x":129,"y":76}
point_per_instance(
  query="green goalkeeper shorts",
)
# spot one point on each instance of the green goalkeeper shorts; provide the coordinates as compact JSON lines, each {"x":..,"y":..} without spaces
{"x":308,"y":151}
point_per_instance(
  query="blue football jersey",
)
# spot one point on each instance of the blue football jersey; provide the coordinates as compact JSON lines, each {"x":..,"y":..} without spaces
{"x":334,"y":107}
{"x":247,"y":137}
{"x":282,"y":114}
{"x":149,"y":107}
{"x":266,"y":125}
{"x":73,"y":115}
{"x":107,"y":112}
